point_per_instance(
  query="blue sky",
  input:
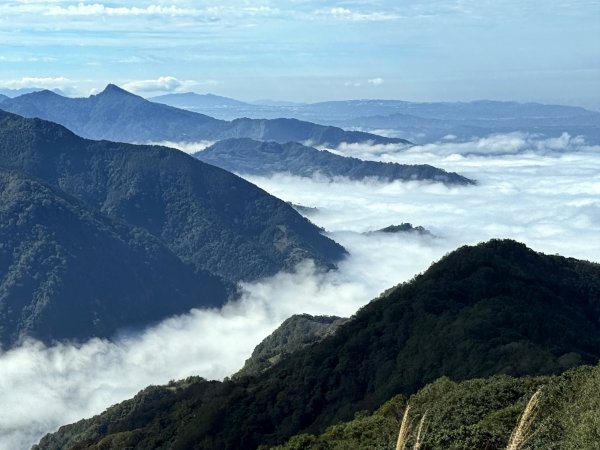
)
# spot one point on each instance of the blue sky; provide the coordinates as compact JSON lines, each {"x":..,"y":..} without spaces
{"x":309,"y":50}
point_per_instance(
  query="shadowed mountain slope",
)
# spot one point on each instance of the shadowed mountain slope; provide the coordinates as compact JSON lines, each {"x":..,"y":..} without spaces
{"x":208,"y":217}
{"x":495,"y":308}
{"x":70,"y":272}
{"x":247,"y":156}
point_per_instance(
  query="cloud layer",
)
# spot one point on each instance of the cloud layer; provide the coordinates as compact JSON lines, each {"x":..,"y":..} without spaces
{"x":312,"y":50}
{"x":545,"y":193}
{"x":166,"y":84}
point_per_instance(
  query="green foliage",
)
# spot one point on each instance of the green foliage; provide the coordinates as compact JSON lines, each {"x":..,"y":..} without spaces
{"x":294,"y":334}
{"x":267,"y":158}
{"x":206,"y":216}
{"x":70,"y":272}
{"x":478,"y":414}
{"x":496,"y":308}
{"x":95,"y":236}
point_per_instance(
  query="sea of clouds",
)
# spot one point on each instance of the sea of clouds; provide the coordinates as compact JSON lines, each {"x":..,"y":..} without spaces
{"x":543,"y":192}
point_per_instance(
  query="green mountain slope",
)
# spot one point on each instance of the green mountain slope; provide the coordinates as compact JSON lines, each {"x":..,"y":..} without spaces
{"x":477,"y":414}
{"x":70,"y":272}
{"x":205,"y":215}
{"x":293,"y":334}
{"x":496,"y":308}
{"x":247,"y":156}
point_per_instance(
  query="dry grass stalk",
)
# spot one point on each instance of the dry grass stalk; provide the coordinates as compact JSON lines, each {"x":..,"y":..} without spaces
{"x":403,"y":434}
{"x":420,"y":433}
{"x":522,"y":431}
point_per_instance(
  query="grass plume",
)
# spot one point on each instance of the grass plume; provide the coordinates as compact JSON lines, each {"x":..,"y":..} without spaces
{"x":522,"y":431}
{"x":404,"y":428}
{"x":420,"y":433}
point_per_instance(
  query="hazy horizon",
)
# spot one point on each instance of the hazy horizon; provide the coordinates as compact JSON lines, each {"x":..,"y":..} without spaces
{"x":445,"y":50}
{"x":257,"y":101}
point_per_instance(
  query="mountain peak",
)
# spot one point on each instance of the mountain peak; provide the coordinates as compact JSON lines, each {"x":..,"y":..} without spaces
{"x":44,"y":93}
{"x":113,"y":90}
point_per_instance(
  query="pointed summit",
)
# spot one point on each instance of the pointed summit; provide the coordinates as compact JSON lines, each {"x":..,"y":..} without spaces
{"x":114,"y":90}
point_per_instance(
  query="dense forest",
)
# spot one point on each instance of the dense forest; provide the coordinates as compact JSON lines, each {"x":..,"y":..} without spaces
{"x":476,"y":414}
{"x":248,"y":156}
{"x":495,"y":308}
{"x":96,"y":236}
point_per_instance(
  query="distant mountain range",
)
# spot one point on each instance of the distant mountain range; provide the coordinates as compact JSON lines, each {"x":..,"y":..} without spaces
{"x":118,"y":115}
{"x":495,"y":308}
{"x":418,"y":122}
{"x":4,"y":92}
{"x":98,"y":235}
{"x":247,"y":156}
{"x":190,"y":100}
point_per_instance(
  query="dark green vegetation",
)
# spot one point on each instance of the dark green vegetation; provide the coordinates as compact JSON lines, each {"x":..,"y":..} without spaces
{"x":303,"y":209}
{"x":147,"y":213}
{"x":266,"y":158}
{"x":118,"y":115}
{"x":69,"y":271}
{"x":496,"y":308}
{"x":477,"y":414}
{"x":294,"y":334}
{"x":404,"y":227}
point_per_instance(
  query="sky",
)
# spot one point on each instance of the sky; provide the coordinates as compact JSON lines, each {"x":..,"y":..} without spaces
{"x":308,"y":50}
{"x":544,"y":192}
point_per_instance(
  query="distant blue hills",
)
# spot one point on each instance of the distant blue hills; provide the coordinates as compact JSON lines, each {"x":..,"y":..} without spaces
{"x":415,"y":121}
{"x":118,"y":115}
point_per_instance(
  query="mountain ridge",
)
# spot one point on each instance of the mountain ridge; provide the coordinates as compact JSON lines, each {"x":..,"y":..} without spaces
{"x":247,"y":156}
{"x":200,"y":208}
{"x":72,"y":273}
{"x":118,"y":115}
{"x":96,"y":236}
{"x":494,"y":308}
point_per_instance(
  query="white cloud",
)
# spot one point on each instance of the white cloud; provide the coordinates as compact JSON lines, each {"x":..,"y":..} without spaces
{"x":352,"y":84}
{"x":43,"y":82}
{"x":544,"y":192}
{"x":371,"y":81}
{"x":66,"y":85}
{"x":97,"y":9}
{"x":516,"y":143}
{"x":166,"y":84}
{"x":345,"y":14}
{"x":208,"y":12}
{"x":184,"y":146}
{"x":376,"y":81}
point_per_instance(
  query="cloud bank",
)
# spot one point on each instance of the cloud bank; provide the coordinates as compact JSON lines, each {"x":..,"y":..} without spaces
{"x":547,"y":194}
{"x":184,"y":146}
{"x":166,"y":84}
{"x":64,"y":84}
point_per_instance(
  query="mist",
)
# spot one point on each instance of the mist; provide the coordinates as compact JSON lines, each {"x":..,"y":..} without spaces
{"x":545,"y":193}
{"x":184,"y":146}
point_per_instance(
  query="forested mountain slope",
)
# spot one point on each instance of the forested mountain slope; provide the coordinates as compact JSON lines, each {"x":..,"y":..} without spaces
{"x":495,"y":308}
